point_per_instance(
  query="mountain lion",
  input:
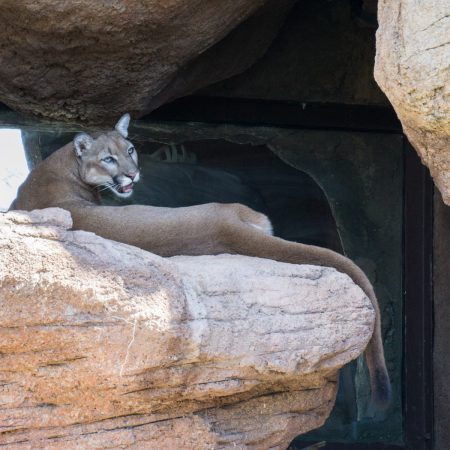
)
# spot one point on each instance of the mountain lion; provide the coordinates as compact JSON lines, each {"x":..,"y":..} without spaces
{"x":72,"y":177}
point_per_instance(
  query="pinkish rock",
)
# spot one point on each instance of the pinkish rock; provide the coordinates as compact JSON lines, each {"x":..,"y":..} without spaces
{"x":106,"y":345}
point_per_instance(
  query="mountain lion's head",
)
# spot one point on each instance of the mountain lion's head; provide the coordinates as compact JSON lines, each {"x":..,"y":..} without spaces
{"x":109,"y":160}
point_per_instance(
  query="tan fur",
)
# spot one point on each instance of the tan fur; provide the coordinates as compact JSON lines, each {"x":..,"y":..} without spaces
{"x":63,"y":181}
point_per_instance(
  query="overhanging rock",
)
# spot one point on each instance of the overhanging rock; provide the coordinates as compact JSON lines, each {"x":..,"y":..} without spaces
{"x":91,"y":61}
{"x":103,"y":345}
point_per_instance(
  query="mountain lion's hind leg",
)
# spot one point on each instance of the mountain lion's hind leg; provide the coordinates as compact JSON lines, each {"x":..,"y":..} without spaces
{"x":250,"y":217}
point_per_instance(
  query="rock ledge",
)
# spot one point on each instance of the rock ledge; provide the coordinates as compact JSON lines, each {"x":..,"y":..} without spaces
{"x":103,"y":345}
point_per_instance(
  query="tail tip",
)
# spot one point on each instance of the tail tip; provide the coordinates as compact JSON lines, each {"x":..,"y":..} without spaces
{"x":381,"y":391}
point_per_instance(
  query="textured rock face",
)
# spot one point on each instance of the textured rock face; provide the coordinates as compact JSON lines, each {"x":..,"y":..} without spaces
{"x":412,"y":68}
{"x":105,"y":345}
{"x":91,"y":61}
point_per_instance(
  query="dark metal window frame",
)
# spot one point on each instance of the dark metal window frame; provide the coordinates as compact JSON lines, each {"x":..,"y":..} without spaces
{"x":418,"y":220}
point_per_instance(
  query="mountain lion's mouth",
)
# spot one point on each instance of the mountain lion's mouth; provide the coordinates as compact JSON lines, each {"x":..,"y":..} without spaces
{"x":121,"y":191}
{"x":125,"y":189}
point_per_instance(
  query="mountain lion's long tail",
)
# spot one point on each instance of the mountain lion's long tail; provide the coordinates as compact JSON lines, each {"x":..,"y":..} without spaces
{"x":266,"y":246}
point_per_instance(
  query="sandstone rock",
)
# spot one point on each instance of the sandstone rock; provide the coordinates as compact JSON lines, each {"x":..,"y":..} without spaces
{"x":412,"y":68}
{"x":105,"y":345}
{"x":91,"y":61}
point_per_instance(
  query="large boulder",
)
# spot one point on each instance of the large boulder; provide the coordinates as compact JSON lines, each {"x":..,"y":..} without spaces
{"x":103,"y":345}
{"x":412,"y":68}
{"x":92,"y":61}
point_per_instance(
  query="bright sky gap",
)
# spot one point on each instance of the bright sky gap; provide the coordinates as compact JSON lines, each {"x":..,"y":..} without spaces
{"x":13,"y":165}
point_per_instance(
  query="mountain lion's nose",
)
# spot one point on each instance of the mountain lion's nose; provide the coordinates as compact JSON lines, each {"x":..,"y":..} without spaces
{"x":131,"y":175}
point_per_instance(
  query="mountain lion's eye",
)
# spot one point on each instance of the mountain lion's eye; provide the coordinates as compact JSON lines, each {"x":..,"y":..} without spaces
{"x":109,"y":160}
{"x":130,"y":150}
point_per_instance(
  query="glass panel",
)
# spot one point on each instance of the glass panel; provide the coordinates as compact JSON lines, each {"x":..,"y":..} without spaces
{"x":342,"y":190}
{"x":362,"y":176}
{"x":13,"y":165}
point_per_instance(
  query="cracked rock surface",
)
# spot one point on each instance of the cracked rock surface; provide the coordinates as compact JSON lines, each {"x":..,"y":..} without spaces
{"x":412,"y":67}
{"x":103,"y":345}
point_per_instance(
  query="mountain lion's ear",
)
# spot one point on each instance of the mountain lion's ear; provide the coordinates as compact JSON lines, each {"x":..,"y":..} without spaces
{"x":122,"y":125}
{"x":81,"y":143}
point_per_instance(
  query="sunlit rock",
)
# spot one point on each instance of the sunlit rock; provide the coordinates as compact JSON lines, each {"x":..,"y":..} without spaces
{"x":105,"y":345}
{"x":412,"y":68}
